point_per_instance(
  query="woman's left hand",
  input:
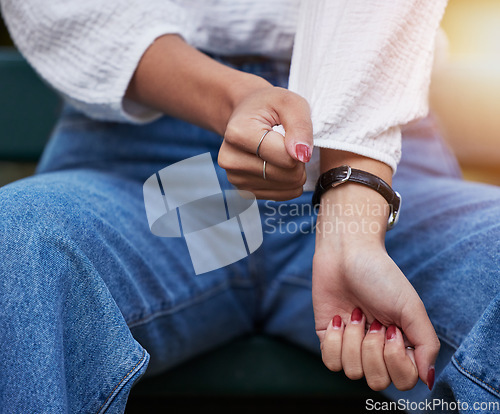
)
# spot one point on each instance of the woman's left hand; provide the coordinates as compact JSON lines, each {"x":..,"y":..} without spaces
{"x":366,"y":311}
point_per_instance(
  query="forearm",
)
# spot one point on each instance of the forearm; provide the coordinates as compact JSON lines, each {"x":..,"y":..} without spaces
{"x":177,"y":79}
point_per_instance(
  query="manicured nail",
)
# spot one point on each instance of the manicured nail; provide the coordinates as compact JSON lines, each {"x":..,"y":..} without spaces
{"x":303,"y":152}
{"x":431,"y":374}
{"x":356,"y":316}
{"x":391,"y":332}
{"x":375,"y":326}
{"x":337,"y":322}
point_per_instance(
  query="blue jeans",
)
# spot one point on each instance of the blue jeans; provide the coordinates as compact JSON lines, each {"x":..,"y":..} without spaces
{"x":90,"y":298}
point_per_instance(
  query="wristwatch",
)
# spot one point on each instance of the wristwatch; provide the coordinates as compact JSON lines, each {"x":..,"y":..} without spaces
{"x":340,"y":175}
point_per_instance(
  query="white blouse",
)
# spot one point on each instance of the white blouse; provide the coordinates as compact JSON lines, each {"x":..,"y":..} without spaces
{"x":363,"y":65}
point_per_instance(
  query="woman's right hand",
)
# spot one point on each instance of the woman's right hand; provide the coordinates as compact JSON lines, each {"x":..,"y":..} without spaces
{"x":285,"y":156}
{"x":239,"y":106}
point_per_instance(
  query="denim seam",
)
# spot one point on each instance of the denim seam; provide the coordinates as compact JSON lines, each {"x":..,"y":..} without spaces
{"x":128,"y":374}
{"x":461,"y":368}
{"x":205,"y":295}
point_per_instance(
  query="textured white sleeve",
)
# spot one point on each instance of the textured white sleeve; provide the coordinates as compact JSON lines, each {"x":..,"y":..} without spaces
{"x":364,"y":67}
{"x":88,"y":50}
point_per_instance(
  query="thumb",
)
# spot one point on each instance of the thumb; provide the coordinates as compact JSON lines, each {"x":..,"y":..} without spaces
{"x":295,"y":117}
{"x":421,"y":334}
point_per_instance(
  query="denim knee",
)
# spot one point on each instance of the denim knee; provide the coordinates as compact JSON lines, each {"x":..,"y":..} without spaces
{"x":65,"y":344}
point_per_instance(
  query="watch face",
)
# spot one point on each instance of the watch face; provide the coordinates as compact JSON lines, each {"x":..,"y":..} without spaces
{"x":394,"y":216}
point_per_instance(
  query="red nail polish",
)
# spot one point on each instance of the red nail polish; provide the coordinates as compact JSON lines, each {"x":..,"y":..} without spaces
{"x":356,"y":316}
{"x":303,"y":152}
{"x":375,"y":326}
{"x":430,"y":377}
{"x":391,"y":332}
{"x":337,"y":322}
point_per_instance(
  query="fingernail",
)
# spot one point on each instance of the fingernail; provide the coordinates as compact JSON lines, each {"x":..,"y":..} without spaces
{"x":303,"y":152}
{"x":431,"y":374}
{"x":356,"y":316}
{"x":391,"y":332}
{"x":337,"y":322}
{"x":375,"y":326}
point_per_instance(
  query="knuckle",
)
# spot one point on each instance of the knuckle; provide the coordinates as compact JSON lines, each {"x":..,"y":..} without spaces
{"x":280,"y":197}
{"x":297,"y":193}
{"x":378,"y":383}
{"x":333,"y":364}
{"x":232,"y":133}
{"x":303,"y":179}
{"x":298,"y":174}
{"x":354,"y":372}
{"x":288,"y":97}
{"x":283,"y":95}
{"x":223,"y":159}
{"x":235,"y":180}
{"x":405,"y":384}
{"x":370,"y":345}
{"x":288,"y":162}
{"x":244,"y":187}
{"x":391,"y":353}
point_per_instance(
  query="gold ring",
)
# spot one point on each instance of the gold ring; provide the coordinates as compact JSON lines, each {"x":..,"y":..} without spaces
{"x":264,"y":170}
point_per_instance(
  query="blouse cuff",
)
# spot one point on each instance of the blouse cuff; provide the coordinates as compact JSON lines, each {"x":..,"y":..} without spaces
{"x":385,"y":147}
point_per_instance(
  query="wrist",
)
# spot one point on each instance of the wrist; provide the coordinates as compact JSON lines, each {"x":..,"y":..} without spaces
{"x":351,"y":215}
{"x":178,"y":80}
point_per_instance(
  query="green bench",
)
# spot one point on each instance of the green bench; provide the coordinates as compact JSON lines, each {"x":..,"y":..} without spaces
{"x":250,"y":373}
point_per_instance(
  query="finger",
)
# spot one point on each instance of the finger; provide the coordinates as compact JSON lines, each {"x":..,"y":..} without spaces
{"x":253,"y":183}
{"x":410,"y":351}
{"x":354,"y":333}
{"x":246,"y":168}
{"x":272,"y":148}
{"x":420,"y":332}
{"x":331,"y":346}
{"x":372,"y":357}
{"x":275,"y":177}
{"x":403,"y":372}
{"x":295,"y":116}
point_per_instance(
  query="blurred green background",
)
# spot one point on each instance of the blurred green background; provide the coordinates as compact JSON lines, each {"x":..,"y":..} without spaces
{"x":28,"y":112}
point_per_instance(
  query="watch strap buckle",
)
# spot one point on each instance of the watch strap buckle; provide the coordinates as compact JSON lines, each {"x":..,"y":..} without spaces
{"x":348,"y":172}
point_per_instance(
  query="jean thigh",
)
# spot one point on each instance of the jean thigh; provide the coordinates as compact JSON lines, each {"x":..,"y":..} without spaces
{"x":171,"y":311}
{"x":447,"y":243}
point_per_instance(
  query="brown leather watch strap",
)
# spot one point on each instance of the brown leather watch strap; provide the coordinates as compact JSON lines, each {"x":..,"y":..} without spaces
{"x":339,"y":175}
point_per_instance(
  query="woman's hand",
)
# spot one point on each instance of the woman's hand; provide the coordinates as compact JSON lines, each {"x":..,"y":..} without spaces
{"x":179,"y":80}
{"x":256,"y":114}
{"x":366,"y":311}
